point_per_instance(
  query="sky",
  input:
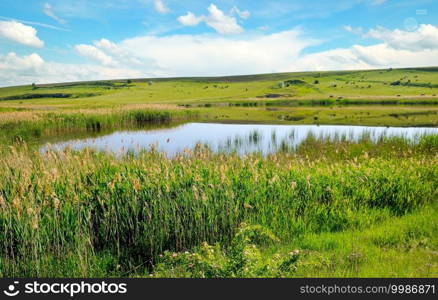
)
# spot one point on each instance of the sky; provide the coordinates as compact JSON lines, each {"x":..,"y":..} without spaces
{"x":72,"y":40}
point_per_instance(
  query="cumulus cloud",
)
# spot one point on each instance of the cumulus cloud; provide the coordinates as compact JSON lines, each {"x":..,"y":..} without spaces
{"x":222,"y":23}
{"x":161,"y":7}
{"x":12,"y":61}
{"x":15,"y":70}
{"x":118,"y":55}
{"x":365,"y":57}
{"x":217,"y":55}
{"x":48,"y":10}
{"x":210,"y":55}
{"x":215,"y":19}
{"x":20,"y":33}
{"x":190,"y":19}
{"x":95,"y":54}
{"x":425,"y":37}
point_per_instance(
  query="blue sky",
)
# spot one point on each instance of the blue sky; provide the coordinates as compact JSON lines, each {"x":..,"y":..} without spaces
{"x":68,"y":40}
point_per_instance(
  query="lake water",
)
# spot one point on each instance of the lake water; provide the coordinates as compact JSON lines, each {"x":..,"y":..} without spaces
{"x":243,"y":138}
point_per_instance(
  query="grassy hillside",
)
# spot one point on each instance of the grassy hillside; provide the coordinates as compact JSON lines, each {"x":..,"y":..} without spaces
{"x":400,"y":97}
{"x":421,"y":84}
{"x":326,"y":208}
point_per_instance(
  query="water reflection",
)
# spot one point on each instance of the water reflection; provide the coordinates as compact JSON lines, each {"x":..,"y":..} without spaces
{"x":243,"y":138}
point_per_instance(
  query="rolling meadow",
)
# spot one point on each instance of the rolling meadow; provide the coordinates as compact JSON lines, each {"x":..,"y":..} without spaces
{"x":328,"y":207}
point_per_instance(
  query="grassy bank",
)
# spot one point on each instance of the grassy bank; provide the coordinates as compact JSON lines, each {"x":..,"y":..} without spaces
{"x":325,"y":208}
{"x":92,"y":214}
{"x":392,"y":97}
{"x":29,"y":125}
{"x":33,"y":126}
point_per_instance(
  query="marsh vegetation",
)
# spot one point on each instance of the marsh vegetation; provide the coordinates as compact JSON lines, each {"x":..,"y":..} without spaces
{"x":336,"y":207}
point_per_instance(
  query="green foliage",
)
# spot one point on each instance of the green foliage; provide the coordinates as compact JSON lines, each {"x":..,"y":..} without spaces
{"x":130,"y":209}
{"x":55,"y":122}
{"x":241,"y":259}
{"x":86,"y":213}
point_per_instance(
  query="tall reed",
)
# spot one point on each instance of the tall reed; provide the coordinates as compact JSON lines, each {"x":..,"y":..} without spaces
{"x":94,"y":214}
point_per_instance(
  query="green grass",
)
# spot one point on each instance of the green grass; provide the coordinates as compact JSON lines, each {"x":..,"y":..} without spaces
{"x":326,"y":208}
{"x":354,"y":84}
{"x":350,"y":97}
{"x":393,"y":248}
{"x":92,"y":214}
{"x":34,"y":126}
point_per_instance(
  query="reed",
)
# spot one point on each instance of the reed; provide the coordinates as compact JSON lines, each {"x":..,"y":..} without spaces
{"x":96,"y":214}
{"x":26,"y":125}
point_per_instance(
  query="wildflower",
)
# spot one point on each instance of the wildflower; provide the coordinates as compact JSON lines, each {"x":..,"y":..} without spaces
{"x":174,"y":254}
{"x":293,"y":185}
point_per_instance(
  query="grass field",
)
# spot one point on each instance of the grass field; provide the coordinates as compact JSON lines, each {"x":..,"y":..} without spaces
{"x":327,"y":208}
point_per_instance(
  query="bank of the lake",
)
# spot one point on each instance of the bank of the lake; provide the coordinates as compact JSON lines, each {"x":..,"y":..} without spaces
{"x":291,"y":213}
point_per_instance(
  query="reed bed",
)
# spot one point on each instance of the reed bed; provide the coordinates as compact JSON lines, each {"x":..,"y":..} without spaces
{"x":27,"y":125}
{"x":91,"y":213}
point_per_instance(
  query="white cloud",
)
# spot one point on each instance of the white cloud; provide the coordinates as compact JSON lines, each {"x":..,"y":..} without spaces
{"x":211,"y":55}
{"x":95,"y":54}
{"x":425,"y":37}
{"x":48,"y":10}
{"x":222,"y":23}
{"x":20,"y":33}
{"x":190,"y":19}
{"x":203,"y":55}
{"x":245,"y":14}
{"x":365,"y":57}
{"x":12,"y":61}
{"x":161,"y":7}
{"x":118,"y":55}
{"x":35,"y":24}
{"x":358,"y":30}
{"x":215,"y":19}
{"x":15,"y":70}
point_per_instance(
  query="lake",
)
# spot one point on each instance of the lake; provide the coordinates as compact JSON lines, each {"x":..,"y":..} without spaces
{"x":243,"y":138}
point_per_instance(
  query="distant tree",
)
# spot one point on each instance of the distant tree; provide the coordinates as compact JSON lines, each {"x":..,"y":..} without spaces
{"x":129,"y":81}
{"x":34,"y":87}
{"x":316,"y":82}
